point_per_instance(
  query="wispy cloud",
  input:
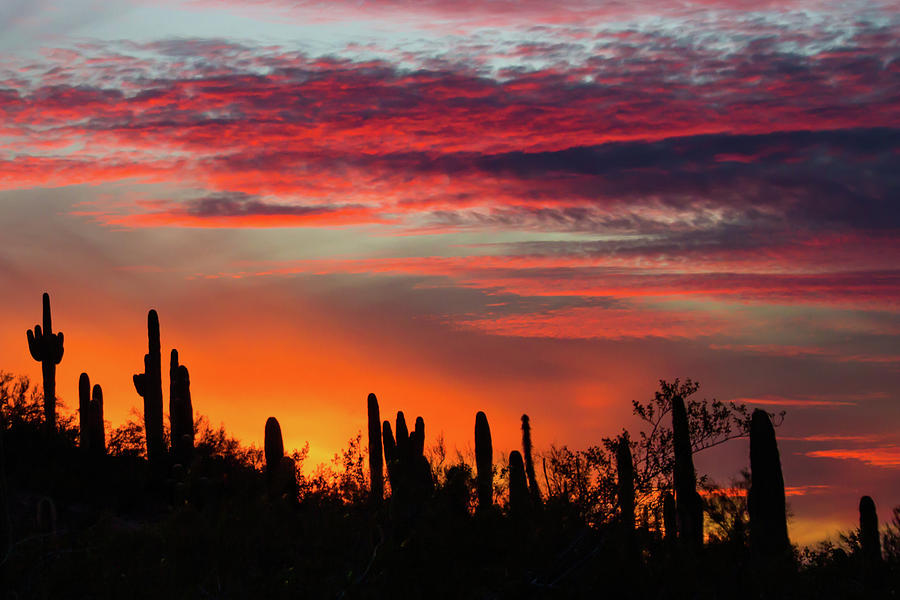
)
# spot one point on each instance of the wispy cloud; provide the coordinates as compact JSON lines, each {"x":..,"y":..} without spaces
{"x":881,"y":456}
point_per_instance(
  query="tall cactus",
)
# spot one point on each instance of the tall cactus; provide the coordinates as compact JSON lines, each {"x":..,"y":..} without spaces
{"x":90,"y":413}
{"x":149,"y":386}
{"x":173,"y":394}
{"x":181,"y":411}
{"x":376,"y":461}
{"x":766,"y":500}
{"x":281,"y":473}
{"x":869,"y":538}
{"x":46,"y":347}
{"x":390,"y":454}
{"x":533,"y":488}
{"x":625,"y":475}
{"x":84,"y":411}
{"x":98,"y":434}
{"x":688,"y":505}
{"x":484,"y":462}
{"x":417,"y":439}
{"x":273,"y":444}
{"x":519,"y":499}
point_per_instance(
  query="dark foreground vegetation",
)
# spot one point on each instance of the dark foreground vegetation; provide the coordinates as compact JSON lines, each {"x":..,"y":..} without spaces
{"x":175,"y":508}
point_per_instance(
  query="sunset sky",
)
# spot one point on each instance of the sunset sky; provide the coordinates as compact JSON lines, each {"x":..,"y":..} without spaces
{"x":498,"y":205}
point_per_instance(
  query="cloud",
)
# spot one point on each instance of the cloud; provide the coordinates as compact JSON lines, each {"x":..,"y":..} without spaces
{"x":887,"y":457}
{"x":240,"y":210}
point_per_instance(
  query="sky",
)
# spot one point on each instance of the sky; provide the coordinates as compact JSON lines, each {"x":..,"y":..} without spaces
{"x":498,"y":205}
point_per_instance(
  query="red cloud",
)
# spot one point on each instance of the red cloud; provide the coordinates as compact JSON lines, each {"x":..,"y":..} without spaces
{"x":882,"y":456}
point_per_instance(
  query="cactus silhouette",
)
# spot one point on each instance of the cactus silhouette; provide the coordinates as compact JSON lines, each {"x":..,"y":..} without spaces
{"x":688,"y":505}
{"x":529,"y":461}
{"x":84,"y":410}
{"x":869,"y":540}
{"x":412,"y":480}
{"x":625,"y":474}
{"x":281,"y":473}
{"x":98,"y":435}
{"x":90,"y":413}
{"x":484,"y":462}
{"x":408,"y":469}
{"x":390,"y":453}
{"x":46,"y":347}
{"x":181,"y":410}
{"x":376,"y":462}
{"x":519,"y":499}
{"x":273,"y":444}
{"x":670,"y":517}
{"x":149,"y":386}
{"x":173,"y":392}
{"x":765,"y":499}
{"x":418,"y":438}
{"x":402,"y":436}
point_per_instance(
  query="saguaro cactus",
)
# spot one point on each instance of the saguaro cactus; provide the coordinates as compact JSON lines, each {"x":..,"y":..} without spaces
{"x":410,"y":472}
{"x":869,"y":538}
{"x":46,"y":347}
{"x":765,"y":500}
{"x":408,"y":469}
{"x":281,"y":474}
{"x":84,"y":410}
{"x":173,"y":393}
{"x":519,"y":500}
{"x":149,"y":386}
{"x":390,"y":453}
{"x":181,"y":411}
{"x":90,"y":413}
{"x":484,"y":462}
{"x":98,"y":434}
{"x":625,"y":475}
{"x":533,"y":488}
{"x":688,"y":505}
{"x":376,"y":462}
{"x":417,"y":439}
{"x":273,"y":445}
